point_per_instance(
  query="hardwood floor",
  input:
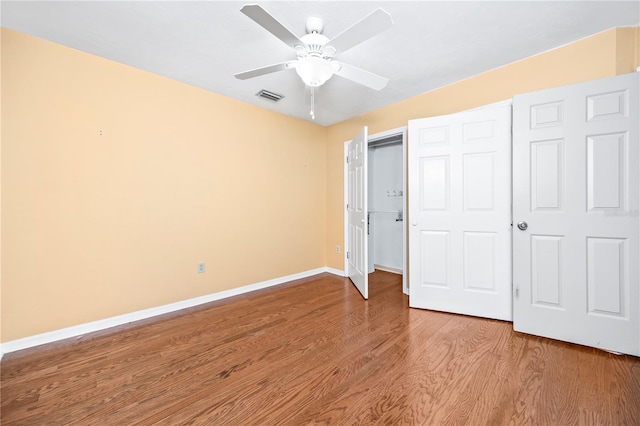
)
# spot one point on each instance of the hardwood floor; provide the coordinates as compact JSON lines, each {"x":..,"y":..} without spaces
{"x":313,"y":352}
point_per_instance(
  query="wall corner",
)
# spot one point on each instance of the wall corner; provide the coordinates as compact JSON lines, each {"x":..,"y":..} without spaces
{"x":627,"y":49}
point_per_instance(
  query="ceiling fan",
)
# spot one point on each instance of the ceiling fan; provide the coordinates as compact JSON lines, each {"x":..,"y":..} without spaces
{"x":315,"y":63}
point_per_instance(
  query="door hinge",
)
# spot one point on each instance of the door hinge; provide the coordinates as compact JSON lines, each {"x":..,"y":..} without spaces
{"x":517,"y":292}
{"x":347,"y":159}
{"x":347,"y":206}
{"x":348,"y":255}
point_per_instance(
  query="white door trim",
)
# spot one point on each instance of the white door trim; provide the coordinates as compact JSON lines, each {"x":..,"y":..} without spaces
{"x":345,"y":215}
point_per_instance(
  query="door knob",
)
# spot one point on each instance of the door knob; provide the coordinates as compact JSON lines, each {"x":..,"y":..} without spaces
{"x":522,"y":226}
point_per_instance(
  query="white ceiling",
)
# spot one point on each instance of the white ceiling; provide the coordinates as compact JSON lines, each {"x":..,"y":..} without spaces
{"x":204,"y":43}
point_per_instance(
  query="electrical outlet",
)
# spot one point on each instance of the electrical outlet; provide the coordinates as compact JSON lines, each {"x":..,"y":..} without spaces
{"x":337,"y":249}
{"x":200,"y":267}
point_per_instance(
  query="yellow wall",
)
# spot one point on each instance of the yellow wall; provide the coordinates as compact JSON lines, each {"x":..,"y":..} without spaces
{"x":602,"y":55}
{"x":97,"y":226}
{"x":627,"y":49}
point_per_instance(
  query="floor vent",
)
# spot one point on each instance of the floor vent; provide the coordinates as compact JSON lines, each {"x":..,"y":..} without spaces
{"x":274,"y":97}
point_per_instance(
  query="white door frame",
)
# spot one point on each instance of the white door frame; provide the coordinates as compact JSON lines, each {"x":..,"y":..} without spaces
{"x":397,"y":131}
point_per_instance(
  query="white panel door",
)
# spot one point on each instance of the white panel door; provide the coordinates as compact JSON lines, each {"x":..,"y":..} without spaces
{"x":357,"y":244}
{"x":460,"y":213}
{"x":575,"y":184}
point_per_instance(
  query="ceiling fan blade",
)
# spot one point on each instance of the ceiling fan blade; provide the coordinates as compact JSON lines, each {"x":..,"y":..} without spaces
{"x":372,"y":24}
{"x":271,"y":24}
{"x":266,"y":70}
{"x":360,"y":76}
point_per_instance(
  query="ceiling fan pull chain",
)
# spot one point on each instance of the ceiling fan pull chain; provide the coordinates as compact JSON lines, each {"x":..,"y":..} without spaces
{"x":313,"y":102}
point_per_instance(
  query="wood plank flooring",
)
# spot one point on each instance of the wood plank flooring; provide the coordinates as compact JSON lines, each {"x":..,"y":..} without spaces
{"x":313,"y":352}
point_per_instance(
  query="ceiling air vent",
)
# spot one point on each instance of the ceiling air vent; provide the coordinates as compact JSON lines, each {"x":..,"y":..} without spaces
{"x":274,"y":97}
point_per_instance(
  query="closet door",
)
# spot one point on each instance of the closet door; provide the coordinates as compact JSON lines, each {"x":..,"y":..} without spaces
{"x":459,"y":169}
{"x":357,"y":243}
{"x":576,"y":210}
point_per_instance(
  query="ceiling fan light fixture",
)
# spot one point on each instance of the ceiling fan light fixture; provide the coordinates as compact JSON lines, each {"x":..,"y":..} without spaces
{"x":315,"y":52}
{"x":314,"y":71}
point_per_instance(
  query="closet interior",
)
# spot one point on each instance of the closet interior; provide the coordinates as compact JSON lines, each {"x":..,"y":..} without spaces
{"x":385,"y":212}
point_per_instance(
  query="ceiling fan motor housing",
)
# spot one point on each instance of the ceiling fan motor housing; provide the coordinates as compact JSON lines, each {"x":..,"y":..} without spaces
{"x":314,"y":45}
{"x":314,"y":25}
{"x":314,"y":64}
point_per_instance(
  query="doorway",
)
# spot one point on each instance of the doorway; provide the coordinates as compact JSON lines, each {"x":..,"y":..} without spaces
{"x":385,"y":210}
{"x":385,"y":205}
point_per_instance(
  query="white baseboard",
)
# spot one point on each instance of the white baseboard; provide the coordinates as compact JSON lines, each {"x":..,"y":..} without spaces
{"x":90,"y":327}
{"x":335,"y":271}
{"x":388,"y":269}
